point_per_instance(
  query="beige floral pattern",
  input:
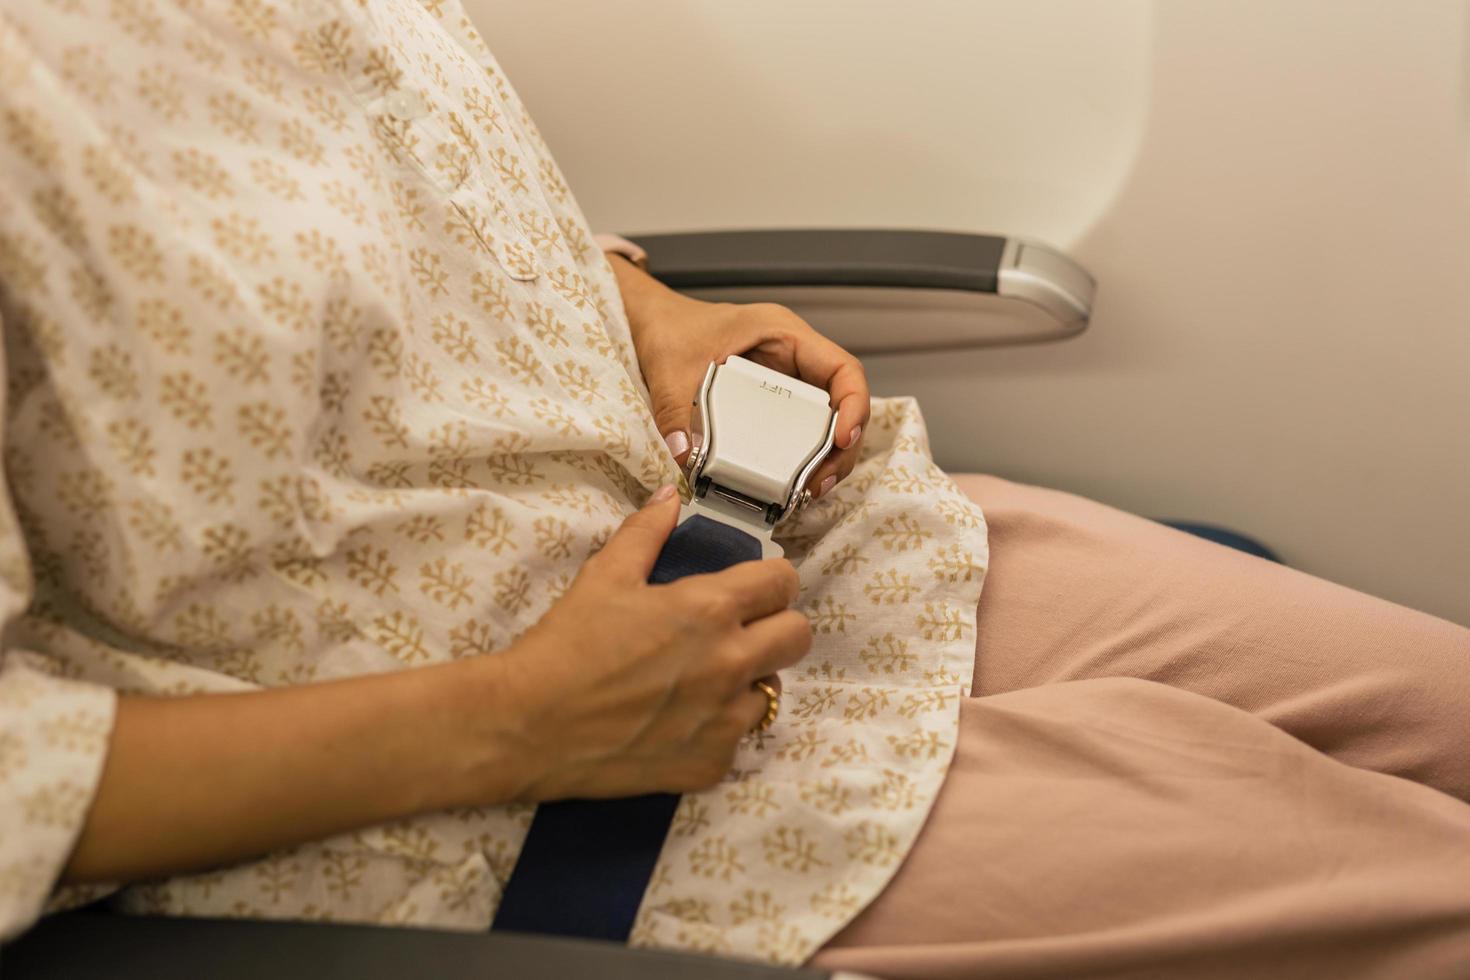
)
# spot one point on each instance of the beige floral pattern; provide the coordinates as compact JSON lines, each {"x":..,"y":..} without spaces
{"x":313,"y":369}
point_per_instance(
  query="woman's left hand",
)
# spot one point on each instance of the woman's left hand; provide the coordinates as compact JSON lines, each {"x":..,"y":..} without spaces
{"x":676,"y":337}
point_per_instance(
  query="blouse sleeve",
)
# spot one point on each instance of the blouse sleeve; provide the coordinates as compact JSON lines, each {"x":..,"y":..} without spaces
{"x":53,"y":740}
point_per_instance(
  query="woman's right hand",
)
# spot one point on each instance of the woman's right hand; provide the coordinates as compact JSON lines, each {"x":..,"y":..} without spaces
{"x":626,"y":688}
{"x":622,"y":688}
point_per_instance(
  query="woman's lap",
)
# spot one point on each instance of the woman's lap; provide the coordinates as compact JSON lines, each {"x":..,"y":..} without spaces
{"x":1077,"y":590}
{"x":1138,"y":789}
{"x":1117,"y":827}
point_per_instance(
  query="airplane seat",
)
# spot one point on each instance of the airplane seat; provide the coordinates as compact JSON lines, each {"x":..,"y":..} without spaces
{"x":1230,"y":539}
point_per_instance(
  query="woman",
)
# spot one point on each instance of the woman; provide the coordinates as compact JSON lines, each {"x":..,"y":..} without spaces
{"x":327,"y":430}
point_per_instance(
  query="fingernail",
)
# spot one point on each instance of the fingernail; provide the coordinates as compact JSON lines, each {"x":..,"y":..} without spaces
{"x":852,"y":437}
{"x":662,"y":493}
{"x":678,"y":443}
{"x":827,"y":485}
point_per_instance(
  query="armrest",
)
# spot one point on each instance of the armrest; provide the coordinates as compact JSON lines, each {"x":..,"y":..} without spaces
{"x":90,"y":944}
{"x":881,"y":291}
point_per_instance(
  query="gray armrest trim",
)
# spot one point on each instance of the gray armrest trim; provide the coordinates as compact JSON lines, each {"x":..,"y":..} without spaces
{"x":91,"y":944}
{"x":944,"y":290}
{"x":826,"y":257}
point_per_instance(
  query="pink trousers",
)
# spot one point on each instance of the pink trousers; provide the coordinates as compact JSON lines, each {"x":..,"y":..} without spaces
{"x":1182,"y":761}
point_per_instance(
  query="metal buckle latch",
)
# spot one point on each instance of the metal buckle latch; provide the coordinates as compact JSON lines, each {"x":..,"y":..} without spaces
{"x":758,"y":436}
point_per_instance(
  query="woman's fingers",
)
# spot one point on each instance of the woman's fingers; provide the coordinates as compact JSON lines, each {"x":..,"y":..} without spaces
{"x":672,"y":388}
{"x":631,"y":552}
{"x":748,"y":591}
{"x":821,"y":362}
{"x":840,"y":462}
{"x":849,"y":392}
{"x":777,"y":642}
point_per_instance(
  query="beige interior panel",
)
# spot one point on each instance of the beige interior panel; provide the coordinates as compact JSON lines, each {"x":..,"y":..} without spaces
{"x":938,"y":113}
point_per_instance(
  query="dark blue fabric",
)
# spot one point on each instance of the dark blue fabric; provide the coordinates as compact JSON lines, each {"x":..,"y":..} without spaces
{"x":701,"y":545}
{"x":586,"y":863}
{"x":1229,"y":539}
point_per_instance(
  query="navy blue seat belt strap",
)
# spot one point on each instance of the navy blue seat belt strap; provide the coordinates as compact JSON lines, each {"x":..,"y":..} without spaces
{"x":586,"y":863}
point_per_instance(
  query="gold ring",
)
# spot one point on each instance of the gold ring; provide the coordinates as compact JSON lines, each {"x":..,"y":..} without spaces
{"x":773,"y":705}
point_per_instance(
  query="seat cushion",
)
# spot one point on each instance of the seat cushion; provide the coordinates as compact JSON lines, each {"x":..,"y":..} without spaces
{"x":1230,"y":539}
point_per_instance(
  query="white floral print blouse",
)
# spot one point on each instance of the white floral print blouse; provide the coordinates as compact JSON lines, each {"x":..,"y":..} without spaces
{"x":312,"y":369}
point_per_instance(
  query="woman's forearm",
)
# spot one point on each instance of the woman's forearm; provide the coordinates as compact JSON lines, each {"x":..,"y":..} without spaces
{"x":194,"y":782}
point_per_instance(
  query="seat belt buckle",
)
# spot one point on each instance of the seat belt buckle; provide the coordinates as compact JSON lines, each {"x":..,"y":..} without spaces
{"x":757,"y":435}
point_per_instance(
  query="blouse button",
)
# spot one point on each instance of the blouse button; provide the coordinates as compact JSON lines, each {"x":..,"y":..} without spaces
{"x":405,"y":104}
